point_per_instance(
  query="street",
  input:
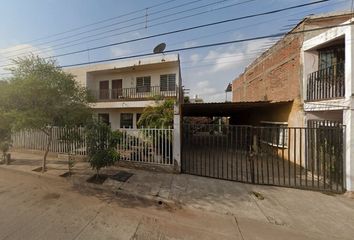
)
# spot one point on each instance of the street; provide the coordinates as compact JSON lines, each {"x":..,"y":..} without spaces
{"x":38,"y":208}
{"x":34,"y":207}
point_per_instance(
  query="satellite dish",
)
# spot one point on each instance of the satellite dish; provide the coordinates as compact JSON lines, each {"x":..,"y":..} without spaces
{"x":160,"y":48}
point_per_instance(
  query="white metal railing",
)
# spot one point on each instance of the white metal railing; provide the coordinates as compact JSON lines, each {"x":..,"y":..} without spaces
{"x":37,"y":140}
{"x":146,"y":145}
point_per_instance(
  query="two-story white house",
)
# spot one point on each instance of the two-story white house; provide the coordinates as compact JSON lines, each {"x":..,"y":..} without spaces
{"x":122,"y":89}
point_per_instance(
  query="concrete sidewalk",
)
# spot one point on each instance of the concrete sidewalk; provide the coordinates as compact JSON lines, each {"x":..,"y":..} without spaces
{"x":303,"y":213}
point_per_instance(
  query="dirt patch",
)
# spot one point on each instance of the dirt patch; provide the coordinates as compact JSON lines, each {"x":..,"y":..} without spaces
{"x":66,"y":174}
{"x":39,"y":169}
{"x":97,"y":179}
{"x":257,"y":195}
{"x":50,"y":196}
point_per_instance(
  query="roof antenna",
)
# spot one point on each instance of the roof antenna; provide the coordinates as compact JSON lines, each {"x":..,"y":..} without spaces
{"x":160,"y":49}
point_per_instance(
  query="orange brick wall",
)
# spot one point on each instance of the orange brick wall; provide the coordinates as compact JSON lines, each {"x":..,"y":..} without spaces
{"x":275,"y":76}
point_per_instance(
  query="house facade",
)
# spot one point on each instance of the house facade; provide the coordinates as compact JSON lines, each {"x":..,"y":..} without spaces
{"x":311,"y":74}
{"x":122,"y":89}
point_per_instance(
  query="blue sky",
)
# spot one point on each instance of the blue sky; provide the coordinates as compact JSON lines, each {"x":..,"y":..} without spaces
{"x":206,"y":71}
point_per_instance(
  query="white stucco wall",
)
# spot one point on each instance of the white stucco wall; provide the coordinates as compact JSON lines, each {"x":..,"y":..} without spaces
{"x":344,"y":105}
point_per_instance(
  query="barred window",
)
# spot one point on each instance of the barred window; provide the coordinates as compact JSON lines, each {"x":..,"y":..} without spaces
{"x":126,"y":120}
{"x":143,"y":84}
{"x":168,"y":82}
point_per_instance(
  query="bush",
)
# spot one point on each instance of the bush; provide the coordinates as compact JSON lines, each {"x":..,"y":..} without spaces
{"x":101,"y":145}
{"x":5,"y":136}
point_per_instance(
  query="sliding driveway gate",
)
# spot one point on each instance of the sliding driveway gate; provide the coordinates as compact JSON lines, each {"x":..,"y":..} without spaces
{"x":305,"y":158}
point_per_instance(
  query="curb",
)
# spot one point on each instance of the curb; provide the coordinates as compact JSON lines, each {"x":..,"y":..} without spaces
{"x":122,"y":193}
{"x":78,"y":183}
{"x":33,"y":173}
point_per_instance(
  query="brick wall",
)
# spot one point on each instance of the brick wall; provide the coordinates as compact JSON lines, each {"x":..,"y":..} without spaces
{"x":272,"y":77}
{"x":276,"y":74}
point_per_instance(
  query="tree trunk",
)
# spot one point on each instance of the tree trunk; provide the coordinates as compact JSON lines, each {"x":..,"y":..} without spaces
{"x":44,"y":164}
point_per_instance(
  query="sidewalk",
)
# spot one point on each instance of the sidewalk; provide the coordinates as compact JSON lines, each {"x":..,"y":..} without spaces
{"x":303,"y":213}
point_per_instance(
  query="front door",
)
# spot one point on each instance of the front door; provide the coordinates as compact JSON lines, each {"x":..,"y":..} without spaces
{"x":117,"y":88}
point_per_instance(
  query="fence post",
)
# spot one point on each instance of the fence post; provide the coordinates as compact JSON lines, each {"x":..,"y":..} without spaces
{"x":177,"y":139}
{"x":252,"y":151}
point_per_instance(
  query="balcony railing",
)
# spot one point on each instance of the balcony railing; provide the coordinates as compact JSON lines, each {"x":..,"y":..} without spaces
{"x":327,"y":83}
{"x":133,"y":94}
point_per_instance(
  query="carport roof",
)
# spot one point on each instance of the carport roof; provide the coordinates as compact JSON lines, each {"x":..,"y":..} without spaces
{"x":223,"y":109}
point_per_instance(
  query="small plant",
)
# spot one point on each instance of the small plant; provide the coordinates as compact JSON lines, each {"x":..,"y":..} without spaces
{"x":101,"y":146}
{"x":5,"y":137}
{"x":5,"y":147}
{"x":71,"y":137}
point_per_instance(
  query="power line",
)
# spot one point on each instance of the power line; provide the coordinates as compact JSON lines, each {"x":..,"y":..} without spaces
{"x":98,"y":22}
{"x":114,"y":24}
{"x":184,"y":17}
{"x":211,"y":45}
{"x":190,"y":28}
{"x":68,"y":43}
{"x":207,"y":45}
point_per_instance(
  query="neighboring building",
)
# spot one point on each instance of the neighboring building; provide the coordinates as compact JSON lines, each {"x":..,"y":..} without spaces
{"x":122,"y":89}
{"x":196,"y":99}
{"x":289,"y":72}
{"x":312,"y":75}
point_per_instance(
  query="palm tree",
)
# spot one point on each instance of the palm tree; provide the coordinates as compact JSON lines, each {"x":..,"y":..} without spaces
{"x":160,"y":116}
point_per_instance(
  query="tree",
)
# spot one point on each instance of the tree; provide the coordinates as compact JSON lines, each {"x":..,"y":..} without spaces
{"x":40,"y":95}
{"x":5,"y":135}
{"x":159,"y":116}
{"x":101,"y":145}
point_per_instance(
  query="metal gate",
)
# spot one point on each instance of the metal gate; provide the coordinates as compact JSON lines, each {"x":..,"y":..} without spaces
{"x":305,"y":158}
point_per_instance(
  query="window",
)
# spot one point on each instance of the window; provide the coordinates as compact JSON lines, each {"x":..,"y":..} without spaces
{"x":104,"y":117}
{"x":330,"y":56}
{"x":275,"y":133}
{"x":143,"y":84}
{"x":168,"y":82}
{"x":126,"y":120}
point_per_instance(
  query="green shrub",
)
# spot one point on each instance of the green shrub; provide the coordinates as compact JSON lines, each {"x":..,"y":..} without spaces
{"x":101,"y":145}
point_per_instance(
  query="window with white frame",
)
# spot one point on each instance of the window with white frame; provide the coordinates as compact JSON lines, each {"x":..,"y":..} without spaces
{"x":168,"y":82}
{"x":275,"y":133}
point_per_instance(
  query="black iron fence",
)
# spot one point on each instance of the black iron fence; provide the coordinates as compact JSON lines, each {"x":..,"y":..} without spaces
{"x":326,"y":83}
{"x":134,"y":93}
{"x":307,"y":158}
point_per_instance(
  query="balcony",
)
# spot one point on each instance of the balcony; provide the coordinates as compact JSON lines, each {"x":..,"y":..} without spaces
{"x":327,"y":83}
{"x":133,"y":94}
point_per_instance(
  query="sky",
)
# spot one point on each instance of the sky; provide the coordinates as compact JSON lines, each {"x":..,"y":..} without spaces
{"x":51,"y":27}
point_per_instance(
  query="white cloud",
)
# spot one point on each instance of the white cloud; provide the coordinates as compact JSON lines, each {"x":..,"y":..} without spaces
{"x":222,"y":65}
{"x":194,"y":58}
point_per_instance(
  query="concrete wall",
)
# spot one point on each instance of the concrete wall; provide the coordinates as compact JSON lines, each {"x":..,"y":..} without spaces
{"x":114,"y":115}
{"x":129,"y":78}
